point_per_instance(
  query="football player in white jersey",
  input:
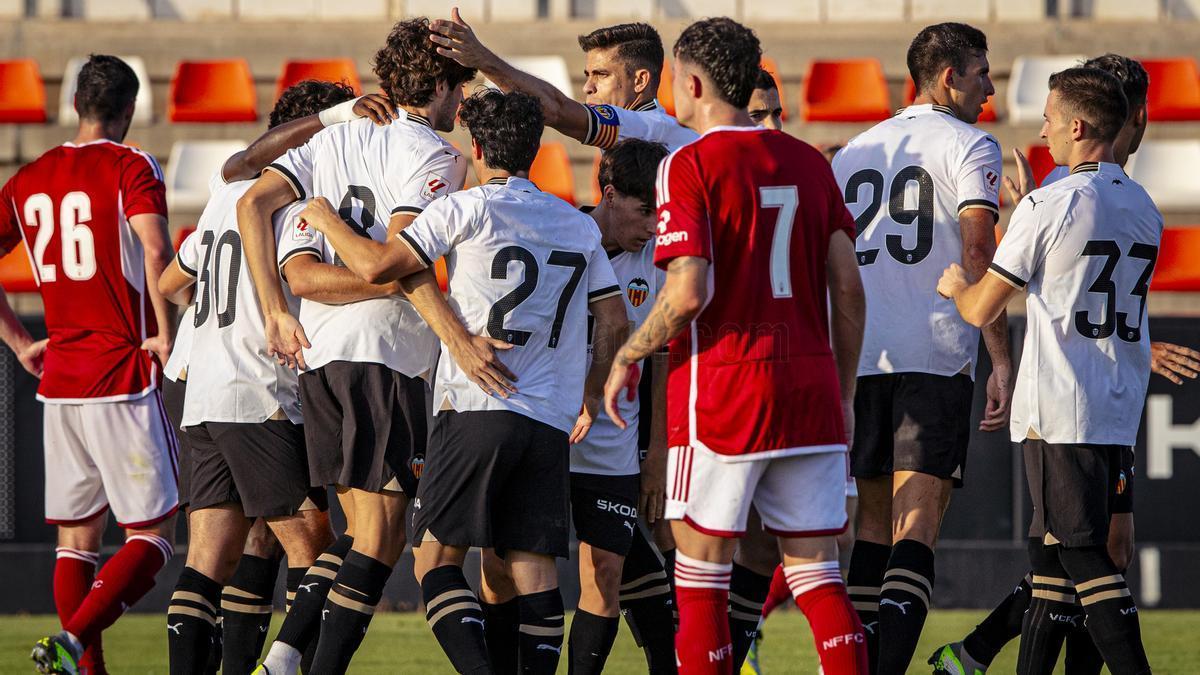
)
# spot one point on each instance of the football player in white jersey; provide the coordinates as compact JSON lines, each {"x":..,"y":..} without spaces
{"x":363,"y":391}
{"x":623,"y":66}
{"x":524,"y":267}
{"x":765,"y":105}
{"x":923,"y":187}
{"x":1174,"y":362}
{"x":240,"y":415}
{"x":1083,"y":249}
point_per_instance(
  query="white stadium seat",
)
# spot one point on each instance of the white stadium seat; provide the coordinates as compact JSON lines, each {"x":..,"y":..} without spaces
{"x":1167,"y":170}
{"x":1028,"y":88}
{"x":191,"y":165}
{"x":143,"y":107}
{"x":552,"y":69}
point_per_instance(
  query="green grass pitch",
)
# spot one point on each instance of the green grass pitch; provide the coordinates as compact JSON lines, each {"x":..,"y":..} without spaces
{"x":402,"y":643}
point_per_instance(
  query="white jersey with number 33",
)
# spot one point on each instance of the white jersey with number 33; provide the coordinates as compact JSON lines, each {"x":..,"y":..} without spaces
{"x":1084,"y":248}
{"x":906,"y":180}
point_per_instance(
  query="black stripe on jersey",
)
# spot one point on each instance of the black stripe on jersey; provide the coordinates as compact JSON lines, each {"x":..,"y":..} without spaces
{"x":605,"y":292}
{"x":290,"y":178}
{"x":1086,"y":166}
{"x":981,"y":204}
{"x":943,"y":109}
{"x":412,"y":243}
{"x":1009,"y":276}
{"x":648,"y":105}
{"x":187,"y":270}
{"x":420,"y":119}
{"x":416,"y":211}
{"x":307,"y":250}
{"x":498,"y":180}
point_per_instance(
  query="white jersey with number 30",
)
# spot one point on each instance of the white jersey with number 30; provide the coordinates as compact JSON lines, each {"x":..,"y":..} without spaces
{"x":1084,"y":248}
{"x":905,"y":181}
{"x":522,"y":267}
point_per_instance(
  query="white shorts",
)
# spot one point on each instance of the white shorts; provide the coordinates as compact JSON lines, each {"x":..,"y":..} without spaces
{"x":802,"y":495}
{"x":120,"y":455}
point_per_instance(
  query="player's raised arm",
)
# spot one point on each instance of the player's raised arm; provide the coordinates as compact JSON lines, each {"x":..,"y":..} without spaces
{"x":458,"y":41}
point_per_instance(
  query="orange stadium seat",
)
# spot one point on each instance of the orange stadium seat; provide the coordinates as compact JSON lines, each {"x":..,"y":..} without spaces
{"x":768,"y":64}
{"x":845,"y":91}
{"x":212,"y":91}
{"x":15,"y":274}
{"x":325,"y":70}
{"x":597,"y":193}
{"x":183,"y":233}
{"x":1040,"y":161}
{"x":910,"y":93}
{"x":551,"y":172}
{"x":1174,"y":94}
{"x":22,"y":93}
{"x":442,"y":274}
{"x":1177,"y":268}
{"x":666,"y":97}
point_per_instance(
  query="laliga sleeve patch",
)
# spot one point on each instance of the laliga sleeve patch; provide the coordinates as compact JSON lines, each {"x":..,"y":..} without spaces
{"x":435,"y":186}
{"x":991,"y":179}
{"x":301,"y":230}
{"x":604,"y":126}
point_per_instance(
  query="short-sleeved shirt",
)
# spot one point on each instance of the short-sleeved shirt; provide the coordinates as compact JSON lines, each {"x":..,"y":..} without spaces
{"x":72,"y":207}
{"x":609,"y":450}
{"x":1084,"y":249}
{"x":369,"y":173}
{"x":753,"y":376}
{"x":522,"y":267}
{"x":907,"y":180}
{"x":609,"y":124}
{"x":232,"y":378}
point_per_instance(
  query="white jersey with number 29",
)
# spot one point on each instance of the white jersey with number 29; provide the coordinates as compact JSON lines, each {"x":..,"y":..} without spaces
{"x":1084,"y":249}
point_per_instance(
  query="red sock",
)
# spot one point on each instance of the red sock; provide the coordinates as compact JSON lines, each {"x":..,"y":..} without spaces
{"x":702,"y":645}
{"x":123,"y":580}
{"x":74,"y":571}
{"x":821,"y":595}
{"x":779,"y":594}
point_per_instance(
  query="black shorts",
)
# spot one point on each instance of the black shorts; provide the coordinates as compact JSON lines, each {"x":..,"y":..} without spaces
{"x":495,"y":479}
{"x":173,"y":392}
{"x":1121,"y":481}
{"x":262,"y":466}
{"x":1073,"y":490}
{"x":912,"y":422}
{"x":604,"y":510}
{"x":365,"y":426}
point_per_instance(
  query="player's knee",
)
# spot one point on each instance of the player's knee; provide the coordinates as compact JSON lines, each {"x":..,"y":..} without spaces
{"x":261,"y":542}
{"x":607,"y":575}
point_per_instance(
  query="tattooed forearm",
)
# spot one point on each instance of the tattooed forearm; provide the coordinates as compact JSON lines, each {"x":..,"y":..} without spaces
{"x":682,"y":298}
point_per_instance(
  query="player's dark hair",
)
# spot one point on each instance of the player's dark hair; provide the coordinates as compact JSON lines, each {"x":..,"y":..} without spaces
{"x":638,"y":45}
{"x":940,"y":46}
{"x":106,"y":87}
{"x":409,"y":67}
{"x":728,"y":52}
{"x":765,"y":80}
{"x":308,"y":97}
{"x":508,"y":127}
{"x":1132,"y":76}
{"x":1094,"y":96}
{"x":631,"y":167}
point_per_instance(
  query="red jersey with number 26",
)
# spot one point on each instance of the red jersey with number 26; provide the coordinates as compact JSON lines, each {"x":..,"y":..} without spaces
{"x":753,"y":376}
{"x":71,"y":207}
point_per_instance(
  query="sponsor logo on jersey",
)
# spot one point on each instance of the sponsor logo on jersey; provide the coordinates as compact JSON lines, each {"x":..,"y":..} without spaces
{"x":417,"y":465}
{"x":617,"y":508}
{"x":301,"y":230}
{"x":435,"y":186}
{"x":670,"y":238}
{"x":638,"y":290}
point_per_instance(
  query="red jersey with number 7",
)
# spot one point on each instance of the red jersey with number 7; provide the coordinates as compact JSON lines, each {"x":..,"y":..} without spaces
{"x":71,"y":208}
{"x":753,"y":376}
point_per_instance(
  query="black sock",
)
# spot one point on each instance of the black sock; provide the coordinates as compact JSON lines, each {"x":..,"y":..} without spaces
{"x":190,"y":620}
{"x":500,"y":632}
{"x":307,"y":590}
{"x":1082,"y":657}
{"x":1052,"y":611}
{"x":1112,"y":617}
{"x":246,"y":612}
{"x":904,"y":603}
{"x":453,"y":613}
{"x":747,"y":592}
{"x":348,"y":611}
{"x":647,"y":603}
{"x":868,"y":562}
{"x":669,"y":565}
{"x":590,"y":642}
{"x":1001,"y":626}
{"x":541,"y":629}
{"x":215,"y":654}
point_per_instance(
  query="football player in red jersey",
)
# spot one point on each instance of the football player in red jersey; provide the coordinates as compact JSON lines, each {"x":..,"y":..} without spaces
{"x":753,"y":232}
{"x":92,"y":215}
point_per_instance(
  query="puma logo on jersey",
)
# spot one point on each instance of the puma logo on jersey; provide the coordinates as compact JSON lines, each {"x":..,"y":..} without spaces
{"x":550,"y":648}
{"x":903,"y":606}
{"x":174,"y":628}
{"x":628,"y":525}
{"x":308,"y":587}
{"x":471,"y":619}
{"x":1033,"y":201}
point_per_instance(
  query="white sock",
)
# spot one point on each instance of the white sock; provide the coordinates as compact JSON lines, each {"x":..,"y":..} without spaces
{"x":282,"y":659}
